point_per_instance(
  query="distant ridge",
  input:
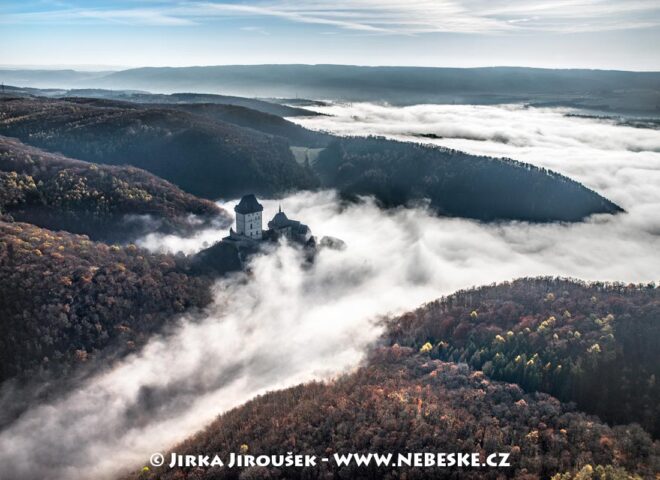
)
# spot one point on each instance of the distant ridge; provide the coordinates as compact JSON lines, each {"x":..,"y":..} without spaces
{"x":612,"y":90}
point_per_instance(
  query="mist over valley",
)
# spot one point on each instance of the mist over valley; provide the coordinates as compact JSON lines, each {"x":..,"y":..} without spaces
{"x":119,"y":344}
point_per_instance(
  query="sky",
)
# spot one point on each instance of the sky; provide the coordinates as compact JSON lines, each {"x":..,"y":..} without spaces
{"x":98,"y":34}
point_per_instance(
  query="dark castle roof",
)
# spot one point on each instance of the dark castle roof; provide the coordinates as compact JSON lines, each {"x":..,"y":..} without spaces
{"x":279,"y":220}
{"x":248,"y":204}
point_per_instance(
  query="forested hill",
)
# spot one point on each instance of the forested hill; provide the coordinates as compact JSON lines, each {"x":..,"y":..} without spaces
{"x":397,"y":173}
{"x":65,"y":299}
{"x":279,"y":109}
{"x":262,"y":122}
{"x":223,"y":151}
{"x":206,"y":158}
{"x":593,"y":344}
{"x":105,"y":202}
{"x":423,"y":392}
{"x":456,"y":183}
{"x":405,"y":403}
{"x":262,"y":106}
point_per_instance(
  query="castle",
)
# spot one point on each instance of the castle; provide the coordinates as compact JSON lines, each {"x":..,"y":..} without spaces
{"x":249,"y":225}
{"x":233,"y":251}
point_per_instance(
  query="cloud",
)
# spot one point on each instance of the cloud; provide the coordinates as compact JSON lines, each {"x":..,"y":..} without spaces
{"x":258,"y":30}
{"x":283,"y":13}
{"x":127,"y":16}
{"x":287,"y":323}
{"x":282,"y":327}
{"x":385,"y":16}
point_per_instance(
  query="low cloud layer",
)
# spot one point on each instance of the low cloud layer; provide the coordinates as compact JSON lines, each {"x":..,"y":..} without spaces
{"x":619,"y":162}
{"x":288,"y":323}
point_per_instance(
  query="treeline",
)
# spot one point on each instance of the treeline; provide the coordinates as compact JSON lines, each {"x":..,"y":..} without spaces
{"x":65,"y":298}
{"x":406,"y":402}
{"x":105,"y":202}
{"x":591,"y":343}
{"x":204,"y":157}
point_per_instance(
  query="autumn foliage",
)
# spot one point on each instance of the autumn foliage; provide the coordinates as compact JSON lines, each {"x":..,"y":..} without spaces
{"x":591,"y":343}
{"x":64,"y":298}
{"x":105,"y":202}
{"x":403,"y":401}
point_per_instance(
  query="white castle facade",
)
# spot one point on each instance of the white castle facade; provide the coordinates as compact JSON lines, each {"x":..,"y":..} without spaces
{"x":248,"y":217}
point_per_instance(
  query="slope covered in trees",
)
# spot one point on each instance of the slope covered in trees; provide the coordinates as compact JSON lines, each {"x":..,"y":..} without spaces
{"x":65,"y":298}
{"x":403,"y":402}
{"x":207,"y":158}
{"x":594,"y":344}
{"x":260,"y":121}
{"x":104,"y":202}
{"x":254,"y":104}
{"x":456,"y":183}
{"x":276,"y":107}
{"x":412,"y":397}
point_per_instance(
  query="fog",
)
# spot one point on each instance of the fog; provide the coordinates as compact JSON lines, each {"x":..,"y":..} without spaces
{"x":288,"y":322}
{"x":619,"y":162}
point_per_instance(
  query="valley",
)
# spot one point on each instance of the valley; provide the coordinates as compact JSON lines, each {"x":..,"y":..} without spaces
{"x":329,"y":240}
{"x":84,"y":205}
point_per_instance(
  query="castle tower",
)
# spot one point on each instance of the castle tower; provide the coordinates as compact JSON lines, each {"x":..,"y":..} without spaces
{"x":248,"y":217}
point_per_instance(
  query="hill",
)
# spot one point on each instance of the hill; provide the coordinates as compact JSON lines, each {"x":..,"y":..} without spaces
{"x":273,"y":107}
{"x":592,"y":344}
{"x":398,"y":173}
{"x":65,"y":299}
{"x":47,"y":78}
{"x":262,"y":106}
{"x":422,"y":390}
{"x":105,"y":202}
{"x":257,"y":120}
{"x":456,"y":183}
{"x":206,"y":158}
{"x":404,"y":402}
{"x":224,"y":151}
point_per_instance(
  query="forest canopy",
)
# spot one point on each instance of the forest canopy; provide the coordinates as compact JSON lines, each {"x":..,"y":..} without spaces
{"x":105,"y":202}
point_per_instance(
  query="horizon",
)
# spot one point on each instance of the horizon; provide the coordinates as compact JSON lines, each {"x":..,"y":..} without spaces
{"x":117,"y":68}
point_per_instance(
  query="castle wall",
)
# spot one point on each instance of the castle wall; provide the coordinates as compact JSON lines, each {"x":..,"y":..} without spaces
{"x":249,"y":225}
